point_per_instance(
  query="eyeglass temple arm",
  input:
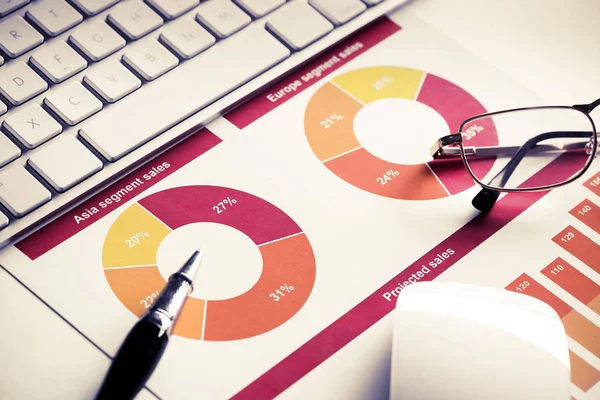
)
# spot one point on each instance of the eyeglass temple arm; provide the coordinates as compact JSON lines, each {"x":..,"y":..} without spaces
{"x":486,"y":198}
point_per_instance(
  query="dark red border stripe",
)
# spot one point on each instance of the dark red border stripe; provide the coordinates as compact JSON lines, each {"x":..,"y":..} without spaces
{"x":376,"y":306}
{"x":66,"y":226}
{"x":360,"y":42}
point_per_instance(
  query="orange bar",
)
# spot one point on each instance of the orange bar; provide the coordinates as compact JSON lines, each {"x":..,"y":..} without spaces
{"x":580,"y":246}
{"x":578,"y":327}
{"x":593,"y":184}
{"x":583,"y":375}
{"x":569,"y":278}
{"x":526,"y":284}
{"x":588,"y":213}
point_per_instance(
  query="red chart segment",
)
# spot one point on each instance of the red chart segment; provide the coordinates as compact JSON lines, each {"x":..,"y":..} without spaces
{"x":282,"y":289}
{"x":259,"y":220}
{"x":329,"y":126}
{"x":288,"y":270}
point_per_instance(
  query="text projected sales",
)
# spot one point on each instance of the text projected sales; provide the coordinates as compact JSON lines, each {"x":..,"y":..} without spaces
{"x":580,"y":246}
{"x":288,"y":263}
{"x":588,"y":213}
{"x":576,"y":283}
{"x":579,"y":328}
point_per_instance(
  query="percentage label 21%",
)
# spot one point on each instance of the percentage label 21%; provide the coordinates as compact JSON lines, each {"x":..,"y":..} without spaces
{"x":283,"y":290}
{"x":223,"y":204}
{"x":331,"y":120}
{"x":136,"y":239}
{"x":387,"y":176}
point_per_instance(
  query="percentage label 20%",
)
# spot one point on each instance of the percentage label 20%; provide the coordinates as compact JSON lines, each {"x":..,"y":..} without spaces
{"x":331,"y":120}
{"x":224,"y":204}
{"x":387,"y":176}
{"x":283,"y":290}
{"x":147,"y":302}
{"x":136,"y":239}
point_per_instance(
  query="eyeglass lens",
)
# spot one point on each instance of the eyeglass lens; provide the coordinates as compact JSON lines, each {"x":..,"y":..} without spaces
{"x":528,"y":140}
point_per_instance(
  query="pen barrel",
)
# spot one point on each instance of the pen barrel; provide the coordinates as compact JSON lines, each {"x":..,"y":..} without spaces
{"x":166,"y":309}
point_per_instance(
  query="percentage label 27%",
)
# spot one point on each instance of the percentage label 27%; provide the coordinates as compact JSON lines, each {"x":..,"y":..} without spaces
{"x":224,"y":204}
{"x":136,"y":239}
{"x":283,"y":290}
{"x":331,"y":120}
{"x":387,"y":176}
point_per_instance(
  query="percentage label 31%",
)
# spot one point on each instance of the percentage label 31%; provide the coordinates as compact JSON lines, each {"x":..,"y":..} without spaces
{"x":136,"y":239}
{"x":224,"y":204}
{"x":283,"y":290}
{"x":387,"y":176}
{"x":331,"y":120}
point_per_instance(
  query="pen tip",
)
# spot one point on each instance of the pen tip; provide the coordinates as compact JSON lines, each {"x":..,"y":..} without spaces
{"x":192,"y":265}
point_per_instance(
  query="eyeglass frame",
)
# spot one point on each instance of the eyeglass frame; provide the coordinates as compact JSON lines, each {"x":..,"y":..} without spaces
{"x":486,"y":198}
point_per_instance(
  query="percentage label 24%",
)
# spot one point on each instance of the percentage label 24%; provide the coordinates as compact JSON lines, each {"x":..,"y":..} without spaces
{"x":283,"y":290}
{"x":331,"y":120}
{"x":224,"y":204}
{"x":136,"y":239}
{"x":387,"y":176}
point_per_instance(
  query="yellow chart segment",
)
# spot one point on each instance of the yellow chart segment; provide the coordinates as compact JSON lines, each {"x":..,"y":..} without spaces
{"x":370,"y":84}
{"x":133,"y":239}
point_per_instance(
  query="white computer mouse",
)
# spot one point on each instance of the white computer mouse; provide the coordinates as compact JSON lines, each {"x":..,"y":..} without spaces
{"x":455,"y":341}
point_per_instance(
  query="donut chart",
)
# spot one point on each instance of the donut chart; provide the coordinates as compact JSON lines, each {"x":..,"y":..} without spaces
{"x":329,"y":127}
{"x":285,"y":283}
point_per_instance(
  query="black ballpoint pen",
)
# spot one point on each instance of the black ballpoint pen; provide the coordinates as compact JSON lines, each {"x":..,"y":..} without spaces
{"x":144,"y":345}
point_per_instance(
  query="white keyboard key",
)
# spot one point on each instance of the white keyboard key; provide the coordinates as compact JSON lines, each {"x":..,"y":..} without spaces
{"x":222,"y":17}
{"x":339,"y":11}
{"x":372,"y":2}
{"x":20,"y":192}
{"x":135,"y":19}
{"x":18,"y":37}
{"x":8,"y":150}
{"x":8,"y":6}
{"x":58,"y":61}
{"x":1,"y":60}
{"x":32,"y":126}
{"x":97,"y":40}
{"x":19,"y":83}
{"x":173,"y":8}
{"x":298,"y":25}
{"x":112,"y":80}
{"x":3,"y":220}
{"x":54,"y":16}
{"x":186,"y":38}
{"x":92,"y":7}
{"x":117,"y":131}
{"x":65,"y":163}
{"x":259,"y":8}
{"x":73,"y":103}
{"x":150,"y":59}
{"x":3,"y":108}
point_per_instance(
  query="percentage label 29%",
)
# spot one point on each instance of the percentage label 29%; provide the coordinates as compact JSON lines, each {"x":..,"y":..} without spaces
{"x":283,"y":290}
{"x":136,"y":239}
{"x":224,"y":204}
{"x":331,"y":120}
{"x":387,"y":176}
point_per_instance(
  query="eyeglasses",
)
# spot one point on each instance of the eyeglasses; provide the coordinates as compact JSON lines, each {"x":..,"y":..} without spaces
{"x":502,"y":150}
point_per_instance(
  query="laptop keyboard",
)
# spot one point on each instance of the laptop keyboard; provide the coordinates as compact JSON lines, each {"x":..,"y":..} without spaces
{"x":73,"y":72}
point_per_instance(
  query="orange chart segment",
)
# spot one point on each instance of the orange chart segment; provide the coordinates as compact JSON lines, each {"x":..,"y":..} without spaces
{"x":329,"y":122}
{"x":133,"y":239}
{"x":413,"y":182}
{"x":370,"y":84}
{"x":282,"y":289}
